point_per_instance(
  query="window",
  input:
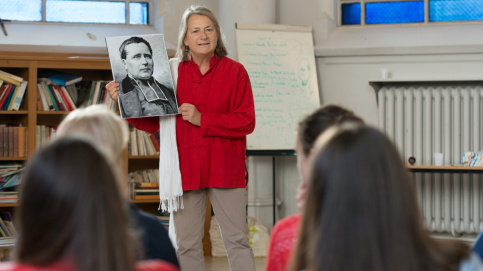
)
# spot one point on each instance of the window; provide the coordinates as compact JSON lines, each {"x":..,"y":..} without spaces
{"x":370,"y":12}
{"x":130,"y":12}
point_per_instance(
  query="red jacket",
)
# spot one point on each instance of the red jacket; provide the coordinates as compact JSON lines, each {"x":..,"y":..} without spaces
{"x":213,"y":154}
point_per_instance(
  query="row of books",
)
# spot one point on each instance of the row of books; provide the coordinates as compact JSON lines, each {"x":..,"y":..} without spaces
{"x":43,"y":135}
{"x":7,"y":229}
{"x":52,"y":97}
{"x":13,"y":141}
{"x":148,"y":177}
{"x":144,"y":184}
{"x":94,"y":92}
{"x":143,"y":143}
{"x":10,"y":178}
{"x":12,"y":91}
{"x":163,"y":218}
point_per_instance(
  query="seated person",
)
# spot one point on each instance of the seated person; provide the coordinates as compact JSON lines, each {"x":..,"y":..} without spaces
{"x":111,"y":134}
{"x":361,"y":211}
{"x":478,"y":245}
{"x":71,"y":215}
{"x":282,"y":239}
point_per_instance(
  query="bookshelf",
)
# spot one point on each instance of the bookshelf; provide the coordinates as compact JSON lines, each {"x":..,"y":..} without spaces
{"x":29,"y":66}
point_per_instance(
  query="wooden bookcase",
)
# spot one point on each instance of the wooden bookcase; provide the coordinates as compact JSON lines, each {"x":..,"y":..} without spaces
{"x":91,"y":67}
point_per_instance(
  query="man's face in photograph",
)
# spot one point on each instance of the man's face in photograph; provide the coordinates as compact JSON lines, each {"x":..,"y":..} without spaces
{"x":139,"y":61}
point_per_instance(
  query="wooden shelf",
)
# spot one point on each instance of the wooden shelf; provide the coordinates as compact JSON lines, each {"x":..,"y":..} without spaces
{"x":53,"y":112}
{"x":144,"y":156}
{"x":145,"y":200}
{"x":445,"y":169}
{"x":11,"y":204}
{"x":13,"y":158}
{"x":21,"y":112}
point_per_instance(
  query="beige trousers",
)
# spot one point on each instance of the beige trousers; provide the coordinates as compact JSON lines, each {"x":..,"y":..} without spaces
{"x":229,"y":206}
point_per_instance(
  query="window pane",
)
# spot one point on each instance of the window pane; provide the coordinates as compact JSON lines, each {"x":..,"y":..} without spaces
{"x":86,"y":11}
{"x":455,"y":10}
{"x":21,"y":10}
{"x":138,"y":13}
{"x":351,"y":13}
{"x":395,"y":12}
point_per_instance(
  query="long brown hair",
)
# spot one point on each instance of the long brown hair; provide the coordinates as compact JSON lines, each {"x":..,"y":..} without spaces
{"x":70,"y":209}
{"x":361,"y":212}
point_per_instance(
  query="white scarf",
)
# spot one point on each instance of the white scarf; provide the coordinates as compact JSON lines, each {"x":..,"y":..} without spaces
{"x":170,"y":187}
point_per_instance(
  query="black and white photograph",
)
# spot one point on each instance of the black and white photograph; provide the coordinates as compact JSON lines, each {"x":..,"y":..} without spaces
{"x":140,"y":65}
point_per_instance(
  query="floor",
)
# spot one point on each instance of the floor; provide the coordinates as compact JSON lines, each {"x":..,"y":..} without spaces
{"x":221,"y":263}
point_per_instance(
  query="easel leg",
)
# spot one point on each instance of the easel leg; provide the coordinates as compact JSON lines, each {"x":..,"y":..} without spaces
{"x":274,"y":195}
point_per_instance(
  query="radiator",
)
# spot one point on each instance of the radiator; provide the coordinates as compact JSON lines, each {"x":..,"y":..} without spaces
{"x":427,"y":118}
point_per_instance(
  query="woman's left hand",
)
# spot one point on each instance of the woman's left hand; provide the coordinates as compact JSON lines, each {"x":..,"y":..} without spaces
{"x":190,"y":114}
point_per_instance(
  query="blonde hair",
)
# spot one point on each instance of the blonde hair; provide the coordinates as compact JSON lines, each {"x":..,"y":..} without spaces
{"x":103,"y":127}
{"x":182,"y":52}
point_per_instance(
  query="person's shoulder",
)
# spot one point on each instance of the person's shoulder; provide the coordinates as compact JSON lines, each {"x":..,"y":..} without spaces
{"x":12,"y":266}
{"x":233,"y":66}
{"x":228,"y":61}
{"x":155,"y":265}
{"x":141,"y":216}
{"x":288,"y":225}
{"x":289,"y":222}
{"x":9,"y":266}
{"x":473,"y":263}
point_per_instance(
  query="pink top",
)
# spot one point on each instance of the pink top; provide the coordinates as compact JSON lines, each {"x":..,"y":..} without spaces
{"x":282,"y":241}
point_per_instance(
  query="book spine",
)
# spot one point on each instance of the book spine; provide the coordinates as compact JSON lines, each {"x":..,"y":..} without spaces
{"x":39,"y":102}
{"x":47,"y":96}
{"x":13,"y":76}
{"x":10,"y":80}
{"x":71,"y":103}
{"x":11,"y":102}
{"x":15,"y":141}
{"x":156,"y":197}
{"x":2,"y":139}
{"x":5,"y":142}
{"x":21,"y":141}
{"x":146,"y":185}
{"x":52,"y":97}
{"x":57,"y":97}
{"x":8,"y":96}
{"x":10,"y":141}
{"x":19,"y":97}
{"x":4,"y":93}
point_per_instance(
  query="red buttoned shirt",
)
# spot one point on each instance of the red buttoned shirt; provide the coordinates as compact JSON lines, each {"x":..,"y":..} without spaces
{"x":213,"y":154}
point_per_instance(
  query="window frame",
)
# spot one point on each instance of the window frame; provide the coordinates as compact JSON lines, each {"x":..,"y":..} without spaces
{"x":426,"y":21}
{"x":127,"y":23}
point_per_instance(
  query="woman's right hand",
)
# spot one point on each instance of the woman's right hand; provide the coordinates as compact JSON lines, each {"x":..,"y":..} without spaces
{"x":113,"y":89}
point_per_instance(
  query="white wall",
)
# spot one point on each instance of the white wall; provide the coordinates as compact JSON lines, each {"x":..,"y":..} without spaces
{"x":90,"y":38}
{"x":349,"y":57}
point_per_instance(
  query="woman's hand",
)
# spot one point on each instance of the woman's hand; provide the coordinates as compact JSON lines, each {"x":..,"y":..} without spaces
{"x":190,"y":114}
{"x":113,"y":89}
{"x":301,"y":193}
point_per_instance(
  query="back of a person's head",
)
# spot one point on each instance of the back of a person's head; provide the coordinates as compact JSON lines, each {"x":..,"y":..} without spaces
{"x":318,"y":121}
{"x":99,"y":124}
{"x":361,"y":212}
{"x":70,"y":210}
